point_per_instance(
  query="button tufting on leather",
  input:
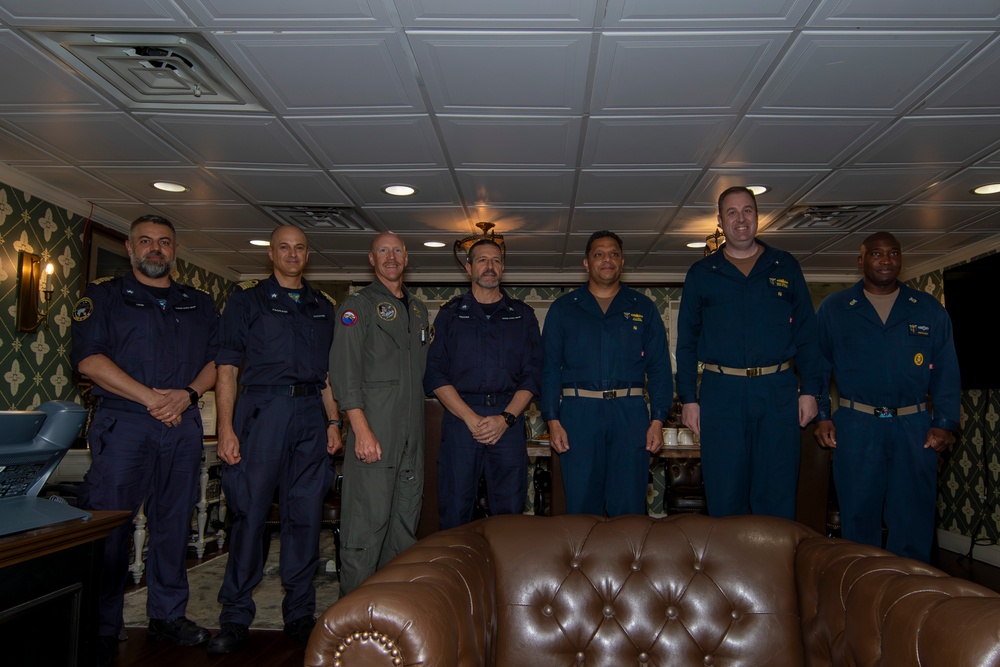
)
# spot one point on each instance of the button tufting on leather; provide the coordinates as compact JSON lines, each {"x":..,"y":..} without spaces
{"x":671,"y":612}
{"x":643,"y":657}
{"x":736,"y":615}
{"x":547,"y":610}
{"x":608,"y":611}
{"x":697,"y":566}
{"x":575,"y":564}
{"x":709,"y":660}
{"x":580,"y":657}
{"x":635,"y":566}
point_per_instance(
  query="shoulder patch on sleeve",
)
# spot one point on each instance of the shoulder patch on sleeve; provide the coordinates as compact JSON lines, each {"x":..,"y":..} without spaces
{"x":348,"y":318}
{"x":329,"y":298}
{"x":247,"y":284}
{"x":83,"y":309}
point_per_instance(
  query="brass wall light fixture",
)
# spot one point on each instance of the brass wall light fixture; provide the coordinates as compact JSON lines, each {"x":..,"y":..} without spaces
{"x":462,"y":246}
{"x":35,"y":287}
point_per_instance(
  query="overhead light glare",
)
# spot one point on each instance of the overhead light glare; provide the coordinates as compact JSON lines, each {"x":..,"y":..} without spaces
{"x":988,"y":189}
{"x":696,"y":244}
{"x":169,"y":186}
{"x":758,"y":190}
{"x":399,"y":190}
{"x":260,"y":242}
{"x":434,"y":244}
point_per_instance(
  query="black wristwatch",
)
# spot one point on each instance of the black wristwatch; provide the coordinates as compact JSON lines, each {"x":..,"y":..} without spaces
{"x":509,"y":418}
{"x":193,"y":394}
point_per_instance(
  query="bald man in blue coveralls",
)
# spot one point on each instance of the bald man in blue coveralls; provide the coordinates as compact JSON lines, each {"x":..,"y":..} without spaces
{"x":602,"y":343}
{"x":889,"y":348}
{"x":746,"y":314}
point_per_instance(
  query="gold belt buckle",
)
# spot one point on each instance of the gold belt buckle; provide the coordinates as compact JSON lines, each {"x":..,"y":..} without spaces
{"x":753,"y":372}
{"x":610,"y":393}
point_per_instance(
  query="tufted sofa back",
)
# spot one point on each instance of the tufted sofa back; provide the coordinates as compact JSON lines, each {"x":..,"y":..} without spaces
{"x":521,"y":591}
{"x":635,"y":591}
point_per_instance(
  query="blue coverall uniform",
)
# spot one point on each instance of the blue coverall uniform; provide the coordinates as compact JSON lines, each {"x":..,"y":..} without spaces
{"x":280,"y":422}
{"x":136,"y":457}
{"x":749,"y":424}
{"x":880,"y":465}
{"x":486,"y":359}
{"x":606,"y":468}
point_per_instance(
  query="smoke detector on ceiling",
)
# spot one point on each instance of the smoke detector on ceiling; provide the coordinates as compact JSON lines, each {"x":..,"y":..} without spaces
{"x":153,"y":71}
{"x":844,"y":217}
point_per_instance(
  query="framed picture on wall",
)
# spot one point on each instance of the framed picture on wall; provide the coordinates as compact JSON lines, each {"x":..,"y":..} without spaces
{"x":104,"y":254}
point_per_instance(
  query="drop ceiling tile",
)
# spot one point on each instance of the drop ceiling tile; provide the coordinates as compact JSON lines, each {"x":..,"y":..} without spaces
{"x":284,"y":186}
{"x":958,"y":188}
{"x":786,"y":185}
{"x":76,"y":182}
{"x":503,"y":72}
{"x":635,"y":187}
{"x":366,"y":142}
{"x":971,"y":89}
{"x":687,"y":14}
{"x":489,"y":141}
{"x":231,"y":140}
{"x":643,"y":73}
{"x":451,"y":220}
{"x":952,"y":142}
{"x":516,"y":188}
{"x":434,"y":187}
{"x":268,"y":15}
{"x":136,"y":180}
{"x":672,"y":141}
{"x":99,"y":138}
{"x":797,"y":141}
{"x":241,"y":218}
{"x":34,"y":83}
{"x":929,"y":218}
{"x":872,"y":186}
{"x":458,"y":14}
{"x":852,"y":14}
{"x":847,"y":73}
{"x":589,"y":220}
{"x":298,"y":72}
{"x":158,"y":14}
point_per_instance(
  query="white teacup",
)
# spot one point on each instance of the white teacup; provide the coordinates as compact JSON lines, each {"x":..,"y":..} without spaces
{"x":685,"y":437}
{"x":669,"y":437}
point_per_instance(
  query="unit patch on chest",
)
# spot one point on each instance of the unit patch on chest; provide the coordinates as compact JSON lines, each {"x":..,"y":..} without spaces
{"x":386,"y":311}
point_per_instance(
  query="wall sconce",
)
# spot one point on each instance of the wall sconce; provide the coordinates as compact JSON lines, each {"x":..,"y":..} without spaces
{"x":35,"y":287}
{"x":461,"y":248}
{"x":713,"y":241}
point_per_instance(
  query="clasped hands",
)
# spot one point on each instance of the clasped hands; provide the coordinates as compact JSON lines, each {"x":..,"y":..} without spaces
{"x":168,"y":405}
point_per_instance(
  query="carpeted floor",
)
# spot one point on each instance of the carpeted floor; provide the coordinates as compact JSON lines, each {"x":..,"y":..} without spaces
{"x":204,"y":581}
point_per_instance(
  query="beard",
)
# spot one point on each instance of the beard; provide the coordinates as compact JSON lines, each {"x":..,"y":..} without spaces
{"x":152,"y":265}
{"x":488,"y":280}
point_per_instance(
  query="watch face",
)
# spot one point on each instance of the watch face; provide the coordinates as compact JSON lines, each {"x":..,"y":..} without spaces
{"x":509,"y":418}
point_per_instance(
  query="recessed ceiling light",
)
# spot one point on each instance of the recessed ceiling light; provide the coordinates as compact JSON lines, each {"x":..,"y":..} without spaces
{"x":758,"y":190}
{"x":696,"y":244}
{"x":399,"y":190}
{"x":434,"y":244}
{"x":988,"y":189}
{"x":259,"y":242}
{"x":168,"y":186}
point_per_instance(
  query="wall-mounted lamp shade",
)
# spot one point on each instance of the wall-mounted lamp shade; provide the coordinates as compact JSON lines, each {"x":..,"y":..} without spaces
{"x":29,"y":280}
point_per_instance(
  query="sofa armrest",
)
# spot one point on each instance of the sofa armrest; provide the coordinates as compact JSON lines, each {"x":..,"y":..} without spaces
{"x":434,"y":604}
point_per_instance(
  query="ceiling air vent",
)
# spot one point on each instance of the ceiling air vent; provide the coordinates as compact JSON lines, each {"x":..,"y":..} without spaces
{"x":153,"y":71}
{"x":321,"y":218}
{"x":843,"y":217}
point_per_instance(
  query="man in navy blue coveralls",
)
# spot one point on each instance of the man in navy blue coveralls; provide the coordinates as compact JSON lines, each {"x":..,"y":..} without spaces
{"x":484,"y":365}
{"x":280,"y":435}
{"x":149,"y":346}
{"x":746,"y":314}
{"x":891,"y":351}
{"x":602,"y":343}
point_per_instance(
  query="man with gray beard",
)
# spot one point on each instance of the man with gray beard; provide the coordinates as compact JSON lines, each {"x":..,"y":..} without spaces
{"x":148,"y":344}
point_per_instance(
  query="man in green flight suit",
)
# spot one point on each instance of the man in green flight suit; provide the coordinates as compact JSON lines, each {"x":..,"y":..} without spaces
{"x":377,"y":367}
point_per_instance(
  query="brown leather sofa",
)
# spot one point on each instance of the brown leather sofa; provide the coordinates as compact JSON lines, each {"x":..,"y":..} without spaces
{"x":531,"y":591}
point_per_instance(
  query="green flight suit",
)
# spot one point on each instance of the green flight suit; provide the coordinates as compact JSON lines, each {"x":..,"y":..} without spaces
{"x":377,"y":364}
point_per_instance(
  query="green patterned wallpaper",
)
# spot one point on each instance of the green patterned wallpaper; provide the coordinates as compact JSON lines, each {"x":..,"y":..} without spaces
{"x":34,"y":367}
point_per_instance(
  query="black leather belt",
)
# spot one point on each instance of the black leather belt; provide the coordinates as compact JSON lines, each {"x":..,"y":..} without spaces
{"x":310,"y":389}
{"x":495,"y":398}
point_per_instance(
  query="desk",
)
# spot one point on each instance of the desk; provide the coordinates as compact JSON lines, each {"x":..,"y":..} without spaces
{"x":49,"y":582}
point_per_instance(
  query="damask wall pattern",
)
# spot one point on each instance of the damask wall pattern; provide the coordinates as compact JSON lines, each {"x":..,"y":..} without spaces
{"x":35,"y":367}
